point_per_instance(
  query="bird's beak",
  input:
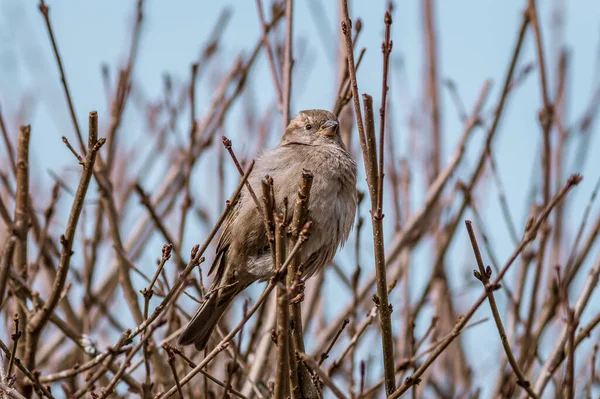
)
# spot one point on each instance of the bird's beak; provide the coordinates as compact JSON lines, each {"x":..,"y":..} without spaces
{"x":329,"y":128}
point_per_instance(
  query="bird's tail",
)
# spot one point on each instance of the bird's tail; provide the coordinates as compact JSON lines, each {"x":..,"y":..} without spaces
{"x":201,"y":326}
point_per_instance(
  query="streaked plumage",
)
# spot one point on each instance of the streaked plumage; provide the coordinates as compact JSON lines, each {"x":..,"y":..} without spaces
{"x":312,"y":142}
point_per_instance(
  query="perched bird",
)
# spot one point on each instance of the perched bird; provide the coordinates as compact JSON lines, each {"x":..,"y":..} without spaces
{"x":311,"y":141}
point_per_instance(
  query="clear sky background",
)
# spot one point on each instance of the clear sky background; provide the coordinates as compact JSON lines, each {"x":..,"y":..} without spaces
{"x":475,"y":41}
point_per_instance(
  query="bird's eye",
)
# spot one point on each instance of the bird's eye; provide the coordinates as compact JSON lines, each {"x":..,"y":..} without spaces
{"x":308,"y":126}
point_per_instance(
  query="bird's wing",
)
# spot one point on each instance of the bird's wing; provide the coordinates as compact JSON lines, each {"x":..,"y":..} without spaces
{"x":219,"y":262}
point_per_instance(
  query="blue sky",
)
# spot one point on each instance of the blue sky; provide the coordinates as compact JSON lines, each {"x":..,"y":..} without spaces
{"x":475,"y":39}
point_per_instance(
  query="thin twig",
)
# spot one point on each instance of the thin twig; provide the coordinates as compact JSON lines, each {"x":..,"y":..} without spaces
{"x":45,"y":10}
{"x":484,"y":275}
{"x":529,"y":236}
{"x":109,"y":389}
{"x":283,"y":315}
{"x":15,"y":338}
{"x":288,"y":63}
{"x":9,"y":147}
{"x":269,"y":52}
{"x":325,"y":354}
{"x":311,"y":364}
{"x":225,"y":341}
{"x":39,"y":320}
{"x":294,"y":273}
{"x":40,"y":389}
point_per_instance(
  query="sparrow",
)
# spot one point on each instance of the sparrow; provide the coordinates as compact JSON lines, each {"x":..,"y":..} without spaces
{"x":311,"y":141}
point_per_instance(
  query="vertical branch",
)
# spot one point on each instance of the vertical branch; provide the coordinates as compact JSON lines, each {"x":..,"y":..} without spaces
{"x":148,"y":293}
{"x":569,"y":380}
{"x":40,"y":318}
{"x":484,"y":275}
{"x":288,"y":62}
{"x":381,"y":299}
{"x":22,"y":200}
{"x":283,"y":316}
{"x":371,"y":155}
{"x":386,"y":49}
{"x":432,"y":88}
{"x":546,"y":116}
{"x":45,"y":10}
{"x":347,"y":33}
{"x":294,"y":287}
{"x":7,"y":257}
{"x":187,"y":198}
{"x":530,"y":234}
{"x":367,"y":143}
{"x":21,"y":224}
{"x":123,"y":88}
{"x":269,"y":52}
{"x":9,"y":147}
{"x":561,"y":150}
{"x":15,"y":338}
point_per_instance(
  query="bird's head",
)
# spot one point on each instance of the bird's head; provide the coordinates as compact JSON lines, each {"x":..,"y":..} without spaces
{"x":313,"y":127}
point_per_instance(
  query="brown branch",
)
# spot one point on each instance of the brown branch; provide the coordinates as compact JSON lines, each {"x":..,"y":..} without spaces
{"x":196,"y":258}
{"x":269,"y":53}
{"x":43,"y":236}
{"x":7,"y":258}
{"x":148,"y":292}
{"x":172,"y":182}
{"x":546,"y":116}
{"x":311,"y":364}
{"x":225,"y":341}
{"x":282,"y":373}
{"x":484,"y":275}
{"x":354,"y":340}
{"x":77,"y":369}
{"x":433,"y":89}
{"x":123,"y":88}
{"x":113,"y":352}
{"x":325,"y":354}
{"x":592,"y":371}
{"x":171,"y":356}
{"x":293,"y":276}
{"x":369,"y":158}
{"x":453,"y":225}
{"x":386,"y":49}
{"x":207,"y":375}
{"x":288,"y":63}
{"x":40,"y":389}
{"x":378,"y":243}
{"x":45,"y":10}
{"x":38,"y":321}
{"x":228,"y":146}
{"x":5,"y":215}
{"x":15,"y":338}
{"x":21,"y":230}
{"x":21,"y":218}
{"x":415,"y":224}
{"x":347,"y":32}
{"x":10,"y":392}
{"x":145,"y":200}
{"x":109,"y":389}
{"x":406,"y":363}
{"x":530,"y":234}
{"x":570,"y":266}
{"x":186,"y":202}
{"x":569,"y":379}
{"x":345,"y":93}
{"x":9,"y":147}
{"x":108,"y":203}
{"x":558,"y":352}
{"x":73,"y":151}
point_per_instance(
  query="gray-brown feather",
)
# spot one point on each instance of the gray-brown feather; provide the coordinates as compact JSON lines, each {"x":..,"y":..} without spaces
{"x":242,"y":257}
